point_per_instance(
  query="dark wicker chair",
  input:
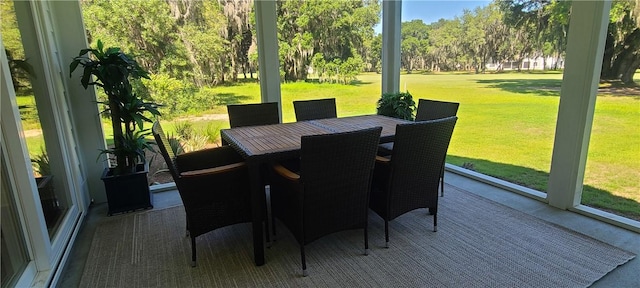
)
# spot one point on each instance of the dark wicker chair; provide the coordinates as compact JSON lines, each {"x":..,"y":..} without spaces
{"x":253,"y":114}
{"x":330,"y":192}
{"x":428,"y":110}
{"x":433,"y":109}
{"x":213,"y":184}
{"x":315,"y":109}
{"x":409,"y":179}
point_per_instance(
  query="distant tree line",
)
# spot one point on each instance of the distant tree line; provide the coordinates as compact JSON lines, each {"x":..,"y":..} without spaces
{"x":190,"y":46}
{"x":512,"y":30}
{"x":211,"y":42}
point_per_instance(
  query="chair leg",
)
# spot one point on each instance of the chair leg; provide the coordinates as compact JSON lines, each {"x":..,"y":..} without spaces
{"x":273,"y":228}
{"x":366,"y":241}
{"x":304,"y":262}
{"x":270,"y":216}
{"x":386,"y":233}
{"x":442,"y":182}
{"x":193,"y":251}
{"x":435,"y":219}
{"x":267,"y":215}
{"x":267,"y":233}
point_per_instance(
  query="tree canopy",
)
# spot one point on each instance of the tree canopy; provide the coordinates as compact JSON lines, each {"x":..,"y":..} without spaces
{"x":193,"y":45}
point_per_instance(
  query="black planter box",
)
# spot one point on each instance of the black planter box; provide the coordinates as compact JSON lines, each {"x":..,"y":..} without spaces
{"x":48,"y":200}
{"x":126,"y":193}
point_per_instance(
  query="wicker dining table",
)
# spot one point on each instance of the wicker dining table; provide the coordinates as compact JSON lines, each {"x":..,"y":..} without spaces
{"x":261,"y":145}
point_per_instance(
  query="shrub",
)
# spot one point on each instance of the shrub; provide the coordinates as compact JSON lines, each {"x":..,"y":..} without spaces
{"x":192,"y":140}
{"x":40,"y":163}
{"x":184,"y":129}
{"x":397,"y":105}
{"x":174,"y":95}
{"x":212,"y":131}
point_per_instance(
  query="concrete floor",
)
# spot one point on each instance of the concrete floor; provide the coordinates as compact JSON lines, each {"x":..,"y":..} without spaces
{"x":627,"y":275}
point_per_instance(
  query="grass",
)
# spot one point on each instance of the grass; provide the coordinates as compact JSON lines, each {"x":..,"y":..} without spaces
{"x":506,"y":126}
{"x":28,"y":112}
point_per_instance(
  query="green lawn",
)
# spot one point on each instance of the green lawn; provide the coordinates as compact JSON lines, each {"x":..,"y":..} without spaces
{"x":505,"y":129}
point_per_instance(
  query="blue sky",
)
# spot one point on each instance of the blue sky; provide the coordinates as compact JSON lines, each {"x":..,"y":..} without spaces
{"x":432,"y":10}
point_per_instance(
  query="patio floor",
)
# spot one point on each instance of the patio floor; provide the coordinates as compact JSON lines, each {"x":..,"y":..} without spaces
{"x":624,"y":276}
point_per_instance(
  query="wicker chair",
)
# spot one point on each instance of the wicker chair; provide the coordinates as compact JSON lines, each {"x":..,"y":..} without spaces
{"x":409,"y":179}
{"x":213,"y":184}
{"x":433,"y":109}
{"x":315,"y":109}
{"x":428,"y":110}
{"x":253,"y":114}
{"x":330,"y":192}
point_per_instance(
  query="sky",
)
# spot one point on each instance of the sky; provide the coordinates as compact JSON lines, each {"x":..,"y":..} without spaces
{"x":432,"y":10}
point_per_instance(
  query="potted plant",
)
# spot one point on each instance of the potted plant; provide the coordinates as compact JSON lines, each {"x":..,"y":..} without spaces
{"x":126,"y":184}
{"x":397,"y":105}
{"x":44,"y":180}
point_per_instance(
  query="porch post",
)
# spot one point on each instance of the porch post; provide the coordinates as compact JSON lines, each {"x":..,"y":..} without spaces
{"x":391,"y":22}
{"x":268,"y":61}
{"x":83,"y":110}
{"x":585,"y":47}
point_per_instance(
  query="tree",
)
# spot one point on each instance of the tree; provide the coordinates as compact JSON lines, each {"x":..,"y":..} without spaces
{"x":374,"y":54}
{"x":144,"y":26}
{"x":238,"y":34}
{"x":446,"y":53}
{"x":199,"y":25}
{"x":19,"y":67}
{"x":622,"y":48}
{"x":336,"y":29}
{"x":544,"y":22}
{"x":181,"y":39}
{"x":519,"y":45}
{"x":496,"y":34}
{"x":549,"y":20}
{"x":414,"y":44}
{"x":474,"y":39}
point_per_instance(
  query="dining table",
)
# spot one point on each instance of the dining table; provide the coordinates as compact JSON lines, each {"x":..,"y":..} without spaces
{"x":265,"y":144}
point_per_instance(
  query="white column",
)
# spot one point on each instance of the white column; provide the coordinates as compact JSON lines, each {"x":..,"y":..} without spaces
{"x":268,"y":61}
{"x":585,"y":47}
{"x":84,"y":112}
{"x":391,"y":22}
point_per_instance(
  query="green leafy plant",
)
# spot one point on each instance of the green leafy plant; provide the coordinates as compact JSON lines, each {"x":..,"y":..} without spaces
{"x":190,"y":139}
{"x":212,"y":131}
{"x":397,"y":105}
{"x":41,"y":163}
{"x":184,"y":129}
{"x":113,"y":71}
{"x":175,"y":144}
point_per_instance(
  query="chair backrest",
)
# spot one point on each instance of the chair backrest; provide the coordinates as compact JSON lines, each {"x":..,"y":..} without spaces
{"x":253,"y":114}
{"x":433,"y":109}
{"x":165,"y":149}
{"x":336,"y":172}
{"x":315,"y":109}
{"x":419,"y":150}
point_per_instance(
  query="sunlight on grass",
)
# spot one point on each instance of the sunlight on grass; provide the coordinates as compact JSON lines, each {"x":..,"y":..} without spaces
{"x":505,"y":129}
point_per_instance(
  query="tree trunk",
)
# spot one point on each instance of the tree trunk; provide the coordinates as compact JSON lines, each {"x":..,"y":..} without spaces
{"x":223,"y":61}
{"x":192,"y":59}
{"x":180,"y":11}
{"x":114,"y":111}
{"x":627,"y":76}
{"x":607,"y":59}
{"x":627,"y":57}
